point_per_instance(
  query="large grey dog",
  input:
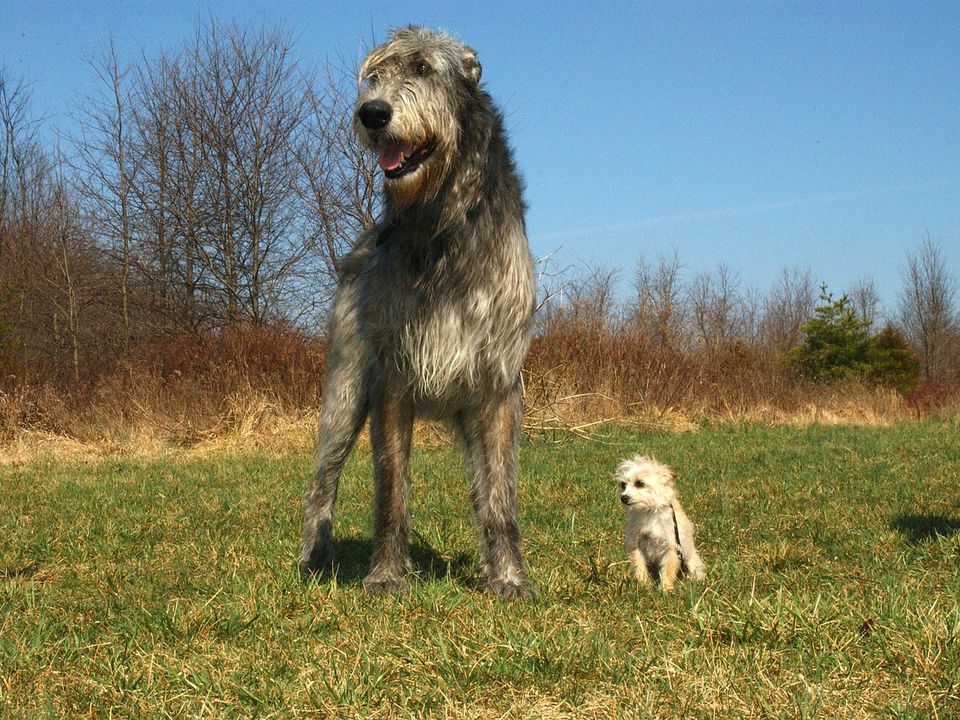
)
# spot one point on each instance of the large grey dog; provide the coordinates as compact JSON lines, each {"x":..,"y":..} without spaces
{"x":433,"y":312}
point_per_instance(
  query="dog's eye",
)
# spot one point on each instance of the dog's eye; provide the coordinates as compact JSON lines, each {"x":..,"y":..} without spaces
{"x":638,"y":483}
{"x":421,"y":68}
{"x":623,"y":485}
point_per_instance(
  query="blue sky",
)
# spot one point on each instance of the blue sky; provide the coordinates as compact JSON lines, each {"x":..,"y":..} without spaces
{"x":757,"y":134}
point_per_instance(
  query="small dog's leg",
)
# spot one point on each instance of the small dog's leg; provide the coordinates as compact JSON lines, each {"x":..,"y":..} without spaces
{"x":344,"y":412}
{"x":638,"y":565}
{"x":669,"y":570}
{"x":490,"y":434}
{"x":391,"y":427}
{"x":695,"y":568}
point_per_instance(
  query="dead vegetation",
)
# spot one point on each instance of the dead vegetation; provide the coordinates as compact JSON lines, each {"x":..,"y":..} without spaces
{"x":258,"y":389}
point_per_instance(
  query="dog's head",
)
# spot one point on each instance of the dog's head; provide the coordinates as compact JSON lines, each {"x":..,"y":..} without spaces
{"x":412,"y":92}
{"x":645,"y":483}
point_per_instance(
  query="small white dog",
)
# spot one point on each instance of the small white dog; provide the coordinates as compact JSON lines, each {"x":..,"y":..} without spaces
{"x":659,"y":535}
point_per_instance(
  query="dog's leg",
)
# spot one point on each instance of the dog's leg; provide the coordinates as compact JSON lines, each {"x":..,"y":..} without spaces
{"x":695,"y":566}
{"x":391,"y":426}
{"x":631,"y":543}
{"x":490,"y":434}
{"x":345,"y":407}
{"x":638,"y":565}
{"x":669,"y":570}
{"x":341,"y":421}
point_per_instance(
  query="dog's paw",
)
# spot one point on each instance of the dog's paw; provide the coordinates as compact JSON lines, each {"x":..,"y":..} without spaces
{"x":509,"y":589}
{"x":697,"y":573}
{"x":317,"y":563}
{"x":376,"y":585}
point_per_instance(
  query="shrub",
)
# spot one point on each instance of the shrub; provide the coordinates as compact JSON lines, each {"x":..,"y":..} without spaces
{"x":836,"y":343}
{"x":892,"y":362}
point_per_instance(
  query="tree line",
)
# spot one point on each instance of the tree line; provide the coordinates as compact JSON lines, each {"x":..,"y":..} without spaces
{"x":796,"y":325}
{"x":218,"y":185}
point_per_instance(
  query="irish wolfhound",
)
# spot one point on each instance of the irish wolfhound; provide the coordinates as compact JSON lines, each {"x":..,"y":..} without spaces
{"x":433,"y":312}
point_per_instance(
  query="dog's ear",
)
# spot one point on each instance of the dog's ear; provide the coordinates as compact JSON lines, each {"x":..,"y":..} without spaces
{"x":471,"y":65}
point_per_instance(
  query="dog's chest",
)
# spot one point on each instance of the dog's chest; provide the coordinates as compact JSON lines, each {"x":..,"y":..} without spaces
{"x":435,"y":330}
{"x":650,"y":531}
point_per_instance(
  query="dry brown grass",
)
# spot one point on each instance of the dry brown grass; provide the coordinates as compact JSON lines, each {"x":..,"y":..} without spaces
{"x":578,"y":377}
{"x":258,"y":390}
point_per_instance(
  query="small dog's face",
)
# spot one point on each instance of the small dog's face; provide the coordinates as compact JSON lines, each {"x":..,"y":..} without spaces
{"x":645,"y":483}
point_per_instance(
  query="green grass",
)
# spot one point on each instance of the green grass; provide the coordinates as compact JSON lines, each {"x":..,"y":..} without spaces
{"x":167,"y":589}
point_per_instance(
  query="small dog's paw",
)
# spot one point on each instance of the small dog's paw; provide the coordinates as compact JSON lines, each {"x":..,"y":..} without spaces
{"x":509,"y":589}
{"x":697,"y":573}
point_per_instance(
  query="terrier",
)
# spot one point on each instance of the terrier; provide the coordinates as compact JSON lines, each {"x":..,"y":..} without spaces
{"x":659,"y":535}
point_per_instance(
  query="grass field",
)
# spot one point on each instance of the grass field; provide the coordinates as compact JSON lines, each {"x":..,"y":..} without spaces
{"x":159,"y":588}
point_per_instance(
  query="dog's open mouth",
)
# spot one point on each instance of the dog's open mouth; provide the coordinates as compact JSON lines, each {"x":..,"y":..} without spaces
{"x":399,"y":159}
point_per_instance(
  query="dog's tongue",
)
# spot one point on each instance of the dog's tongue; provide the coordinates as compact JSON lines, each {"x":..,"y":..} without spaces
{"x":393,"y":155}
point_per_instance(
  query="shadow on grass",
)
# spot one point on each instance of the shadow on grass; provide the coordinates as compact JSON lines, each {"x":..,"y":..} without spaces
{"x":22,"y":572}
{"x":920,"y":528}
{"x":352,"y":562}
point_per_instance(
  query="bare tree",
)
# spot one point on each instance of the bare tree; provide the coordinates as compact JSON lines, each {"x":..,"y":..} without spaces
{"x":586,"y":303}
{"x":658,"y":310}
{"x":751,"y":316}
{"x":715,"y":309}
{"x":24,"y":164}
{"x":193,"y":171}
{"x":66,"y":289}
{"x":788,"y":305}
{"x":928,"y":310}
{"x":54,"y":278}
{"x":169,"y":196}
{"x":104,"y":171}
{"x":210,"y":185}
{"x":24,"y":187}
{"x":245,"y":103}
{"x":866,"y":301}
{"x":338,"y":178}
{"x":160,"y":247}
{"x":11,"y":111}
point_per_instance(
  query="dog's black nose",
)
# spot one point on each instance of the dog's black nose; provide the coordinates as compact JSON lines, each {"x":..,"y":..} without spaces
{"x":375,"y":114}
{"x":623,"y":499}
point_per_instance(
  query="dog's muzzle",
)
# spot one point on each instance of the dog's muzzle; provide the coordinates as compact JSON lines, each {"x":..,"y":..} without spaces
{"x":375,"y":114}
{"x":396,"y":158}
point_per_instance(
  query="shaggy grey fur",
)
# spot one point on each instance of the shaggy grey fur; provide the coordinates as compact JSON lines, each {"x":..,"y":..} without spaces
{"x":433,"y":312}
